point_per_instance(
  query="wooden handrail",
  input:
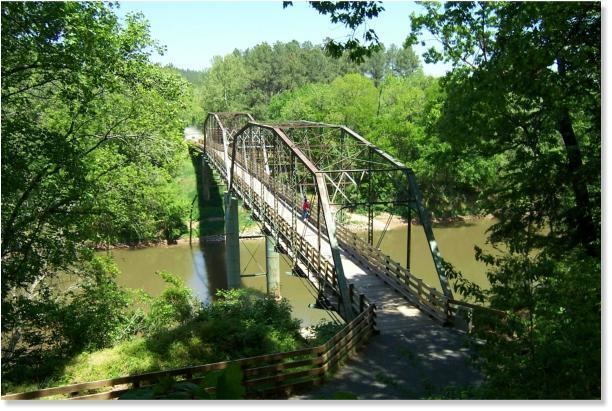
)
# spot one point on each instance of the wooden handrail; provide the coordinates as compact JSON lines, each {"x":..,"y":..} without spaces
{"x":320,"y":358}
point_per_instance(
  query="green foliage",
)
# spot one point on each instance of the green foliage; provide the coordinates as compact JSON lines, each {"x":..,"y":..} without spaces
{"x":243,"y":324}
{"x":399,"y":62}
{"x":323,"y":331}
{"x":227,"y":383}
{"x":92,"y":314}
{"x":353,"y":15}
{"x":97,"y":313}
{"x":248,"y":80}
{"x":171,"y":331}
{"x":91,"y":133}
{"x":530,"y":91}
{"x":553,"y":305}
{"x":175,"y":306}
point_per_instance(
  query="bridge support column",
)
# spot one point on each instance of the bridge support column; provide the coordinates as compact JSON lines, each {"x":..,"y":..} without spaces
{"x":232,"y":241}
{"x":272,"y":268}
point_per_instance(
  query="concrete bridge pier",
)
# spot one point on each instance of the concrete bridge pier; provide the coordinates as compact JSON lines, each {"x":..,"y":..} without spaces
{"x":272,"y":268}
{"x":232,"y":241}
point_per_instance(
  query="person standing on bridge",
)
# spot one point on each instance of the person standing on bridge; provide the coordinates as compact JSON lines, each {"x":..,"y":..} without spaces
{"x":305,"y":209}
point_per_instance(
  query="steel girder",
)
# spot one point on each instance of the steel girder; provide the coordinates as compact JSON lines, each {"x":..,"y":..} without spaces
{"x":280,"y":168}
{"x":219,"y":129}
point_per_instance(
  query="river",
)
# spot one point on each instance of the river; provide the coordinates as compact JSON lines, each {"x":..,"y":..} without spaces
{"x":203,"y":267}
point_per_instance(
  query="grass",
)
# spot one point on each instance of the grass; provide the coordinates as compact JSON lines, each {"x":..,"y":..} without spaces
{"x":178,"y":348}
{"x":240,"y":324}
{"x":186,"y":179}
{"x":130,"y":357}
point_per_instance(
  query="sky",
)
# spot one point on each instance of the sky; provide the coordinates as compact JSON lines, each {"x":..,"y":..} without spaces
{"x":196,"y":31}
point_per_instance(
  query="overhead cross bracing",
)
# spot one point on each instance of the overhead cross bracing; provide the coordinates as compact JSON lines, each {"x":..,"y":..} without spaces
{"x":335,"y":169}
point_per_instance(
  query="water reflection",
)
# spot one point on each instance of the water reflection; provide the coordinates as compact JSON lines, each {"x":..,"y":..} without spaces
{"x":202,"y":268}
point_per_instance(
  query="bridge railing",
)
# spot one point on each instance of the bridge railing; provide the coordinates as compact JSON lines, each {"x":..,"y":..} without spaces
{"x":414,"y":289}
{"x":265,"y":376}
{"x":297,"y":245}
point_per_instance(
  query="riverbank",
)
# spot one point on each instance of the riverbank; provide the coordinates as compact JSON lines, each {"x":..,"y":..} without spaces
{"x":359,"y":222}
{"x":183,"y":240}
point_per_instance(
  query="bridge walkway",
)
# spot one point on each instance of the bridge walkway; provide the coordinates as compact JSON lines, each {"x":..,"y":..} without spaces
{"x":413,"y":349}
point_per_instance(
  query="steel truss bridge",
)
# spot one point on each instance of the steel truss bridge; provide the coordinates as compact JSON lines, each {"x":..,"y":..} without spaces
{"x":272,"y":167}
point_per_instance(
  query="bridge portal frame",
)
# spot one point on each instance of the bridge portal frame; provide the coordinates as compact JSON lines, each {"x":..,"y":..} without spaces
{"x":323,"y":200}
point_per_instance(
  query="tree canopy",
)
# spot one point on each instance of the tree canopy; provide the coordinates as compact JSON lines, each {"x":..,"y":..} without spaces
{"x":91,"y":131}
{"x":524,"y":95}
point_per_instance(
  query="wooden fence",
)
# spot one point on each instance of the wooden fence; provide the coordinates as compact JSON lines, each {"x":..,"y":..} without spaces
{"x":265,"y":376}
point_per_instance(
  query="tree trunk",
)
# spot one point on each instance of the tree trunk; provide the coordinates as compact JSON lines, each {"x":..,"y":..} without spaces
{"x":586,"y":233}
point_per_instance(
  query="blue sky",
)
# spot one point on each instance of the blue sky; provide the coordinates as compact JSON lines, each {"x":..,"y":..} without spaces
{"x":196,"y":31}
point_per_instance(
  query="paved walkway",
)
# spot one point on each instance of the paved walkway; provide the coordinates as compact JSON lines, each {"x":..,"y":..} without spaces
{"x":417,"y":360}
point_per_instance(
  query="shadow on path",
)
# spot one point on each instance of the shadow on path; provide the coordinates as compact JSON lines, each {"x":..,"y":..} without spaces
{"x":416,"y":362}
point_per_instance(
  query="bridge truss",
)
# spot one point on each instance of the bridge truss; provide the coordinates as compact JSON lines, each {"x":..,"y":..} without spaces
{"x":332,"y":166}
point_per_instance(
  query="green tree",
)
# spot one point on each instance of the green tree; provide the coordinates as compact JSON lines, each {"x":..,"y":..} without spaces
{"x":353,"y":14}
{"x":392,"y":61}
{"x":224,"y":84}
{"x":90,"y":131}
{"x":527,"y":77}
{"x":525,"y":88}
{"x":403,"y":61}
{"x":248,"y":80}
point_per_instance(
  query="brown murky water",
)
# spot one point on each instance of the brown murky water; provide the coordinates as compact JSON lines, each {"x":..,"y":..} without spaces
{"x":456,"y":242}
{"x":203,"y":267}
